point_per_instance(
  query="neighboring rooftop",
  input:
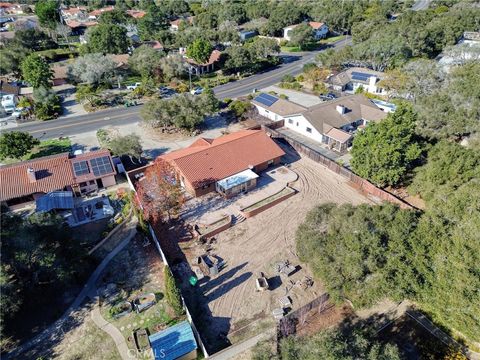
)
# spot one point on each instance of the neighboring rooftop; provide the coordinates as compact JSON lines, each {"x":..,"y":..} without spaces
{"x":208,"y":160}
{"x":41,"y":175}
{"x":356,"y":74}
{"x":51,"y":173}
{"x":137,"y":14}
{"x":214,"y":57}
{"x":278,"y":105}
{"x":173,"y":342}
{"x":471,"y":35}
{"x":6,"y":88}
{"x":343,"y":111}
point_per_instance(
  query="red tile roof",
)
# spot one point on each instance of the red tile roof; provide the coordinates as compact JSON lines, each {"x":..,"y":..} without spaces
{"x":214,"y":57}
{"x":137,"y":14}
{"x":99,"y":12}
{"x":52,"y":173}
{"x":316,"y":25}
{"x":209,"y":160}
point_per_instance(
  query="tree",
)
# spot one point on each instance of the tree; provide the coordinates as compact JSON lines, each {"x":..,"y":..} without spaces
{"x":261,"y":48}
{"x":11,"y":57}
{"x":146,"y":61}
{"x":117,"y":17}
{"x":172,"y":293}
{"x":153,"y":22}
{"x":159,"y":192}
{"x":210,"y":103}
{"x":385,"y":151}
{"x":200,"y":51}
{"x":238,"y":58}
{"x":183,"y":112}
{"x":47,"y":103}
{"x":301,"y":35}
{"x":86,"y":93}
{"x":36,"y":71}
{"x":240,"y":108}
{"x":107,"y":39}
{"x":47,"y":13}
{"x":41,"y":261}
{"x":449,"y":166}
{"x":126,"y":145}
{"x":16,"y":144}
{"x":337,"y":344}
{"x":450,"y":109}
{"x":93,"y":69}
{"x":172,"y":67}
{"x":284,"y":14}
{"x":360,"y":259}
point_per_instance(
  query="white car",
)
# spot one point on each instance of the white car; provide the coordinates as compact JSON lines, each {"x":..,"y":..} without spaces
{"x":9,"y":109}
{"x":196,"y":91}
{"x":133,"y":86}
{"x":20,"y":111}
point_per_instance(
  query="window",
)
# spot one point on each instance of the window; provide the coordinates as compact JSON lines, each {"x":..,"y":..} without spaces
{"x":309,"y":130}
{"x":290,"y":121}
{"x":297,"y":123}
{"x":268,"y":112}
{"x":83,"y":184}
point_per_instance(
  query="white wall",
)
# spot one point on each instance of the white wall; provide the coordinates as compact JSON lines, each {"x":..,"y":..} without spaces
{"x":321,"y":32}
{"x":268,"y":114}
{"x":292,"y":121}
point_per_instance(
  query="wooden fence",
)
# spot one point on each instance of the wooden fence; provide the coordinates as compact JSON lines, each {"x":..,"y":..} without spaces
{"x":359,"y":182}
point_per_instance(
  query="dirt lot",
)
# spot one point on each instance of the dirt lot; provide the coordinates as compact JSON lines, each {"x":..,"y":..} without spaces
{"x":230,"y":302}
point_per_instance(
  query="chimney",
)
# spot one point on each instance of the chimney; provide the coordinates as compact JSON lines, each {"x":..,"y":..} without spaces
{"x":341,"y":109}
{"x":31,"y":175}
{"x":372,"y":80}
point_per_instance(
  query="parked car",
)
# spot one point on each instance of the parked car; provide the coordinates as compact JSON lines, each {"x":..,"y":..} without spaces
{"x":133,"y":86}
{"x":329,"y":96}
{"x":196,"y":91}
{"x":18,"y":112}
{"x":166,"y":92}
{"x":9,"y":109}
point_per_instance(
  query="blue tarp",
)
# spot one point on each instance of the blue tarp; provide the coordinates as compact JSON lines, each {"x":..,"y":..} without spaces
{"x":174,"y":342}
{"x":55,"y":200}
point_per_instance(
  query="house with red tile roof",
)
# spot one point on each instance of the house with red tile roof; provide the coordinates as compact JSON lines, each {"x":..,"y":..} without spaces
{"x":206,"y":67}
{"x":27,"y":181}
{"x":137,"y":14}
{"x":95,"y":14}
{"x":228,"y":164}
{"x":320,"y":30}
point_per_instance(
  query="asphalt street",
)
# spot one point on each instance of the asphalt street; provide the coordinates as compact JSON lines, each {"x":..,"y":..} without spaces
{"x":51,"y":129}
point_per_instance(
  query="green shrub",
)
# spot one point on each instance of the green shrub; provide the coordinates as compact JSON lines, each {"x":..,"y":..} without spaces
{"x":288,"y":78}
{"x":283,"y":96}
{"x":291,"y":85}
{"x":172,"y":293}
{"x":239,"y":108}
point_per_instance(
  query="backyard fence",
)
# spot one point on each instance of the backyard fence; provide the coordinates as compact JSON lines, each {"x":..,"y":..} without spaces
{"x":359,"y":182}
{"x":288,"y":324}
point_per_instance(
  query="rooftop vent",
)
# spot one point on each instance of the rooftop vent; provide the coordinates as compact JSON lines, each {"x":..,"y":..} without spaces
{"x":31,"y":175}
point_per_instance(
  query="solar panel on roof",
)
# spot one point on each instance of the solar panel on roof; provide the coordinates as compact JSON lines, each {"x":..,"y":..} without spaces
{"x":360,"y":76}
{"x":266,"y":99}
{"x":80,"y":168}
{"x":101,"y":166}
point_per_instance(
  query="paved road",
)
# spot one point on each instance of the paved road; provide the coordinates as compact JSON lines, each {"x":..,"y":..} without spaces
{"x":55,"y":330}
{"x":123,"y":116}
{"x":421,"y":5}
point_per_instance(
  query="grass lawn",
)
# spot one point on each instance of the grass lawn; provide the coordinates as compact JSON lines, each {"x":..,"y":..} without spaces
{"x":46,"y":148}
{"x":332,"y":39}
{"x":49,"y":147}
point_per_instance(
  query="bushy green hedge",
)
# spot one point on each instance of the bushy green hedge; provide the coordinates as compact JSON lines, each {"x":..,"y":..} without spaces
{"x":172,"y":293}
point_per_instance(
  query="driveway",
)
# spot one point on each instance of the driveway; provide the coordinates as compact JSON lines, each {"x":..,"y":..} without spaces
{"x":298,"y":97}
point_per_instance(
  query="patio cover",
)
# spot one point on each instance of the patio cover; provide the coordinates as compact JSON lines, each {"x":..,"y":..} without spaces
{"x":338,"y":135}
{"x":55,"y":200}
{"x":173,"y":342}
{"x":237,"y":179}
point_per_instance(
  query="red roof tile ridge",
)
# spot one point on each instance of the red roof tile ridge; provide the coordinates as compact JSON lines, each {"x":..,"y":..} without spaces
{"x":33,"y":161}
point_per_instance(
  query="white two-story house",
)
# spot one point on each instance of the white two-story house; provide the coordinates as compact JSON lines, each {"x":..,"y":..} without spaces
{"x":332,"y":123}
{"x":354,"y":78}
{"x":320,"y":30}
